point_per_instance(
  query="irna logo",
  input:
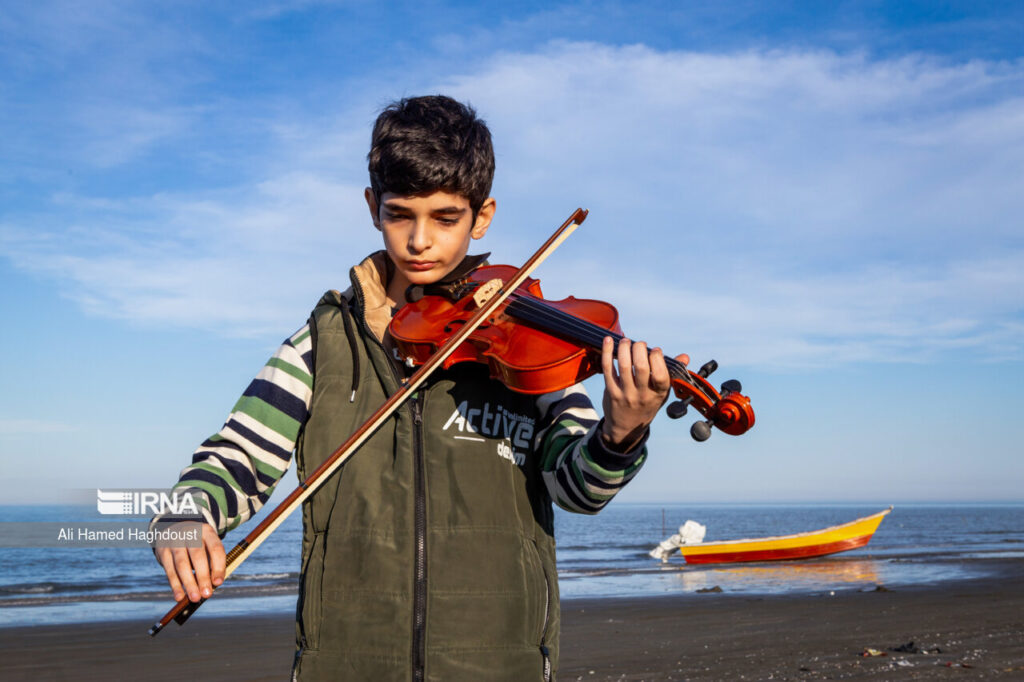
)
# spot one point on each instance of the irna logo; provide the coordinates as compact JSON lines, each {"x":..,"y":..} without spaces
{"x":146,"y":503}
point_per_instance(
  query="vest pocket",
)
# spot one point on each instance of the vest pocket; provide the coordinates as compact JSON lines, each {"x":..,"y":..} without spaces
{"x":544,"y":599}
{"x":541,"y":589}
{"x":311,"y":596}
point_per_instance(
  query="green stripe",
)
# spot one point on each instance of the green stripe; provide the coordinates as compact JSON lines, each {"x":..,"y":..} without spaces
{"x":607,"y":474}
{"x":296,"y":340}
{"x":217,"y":493}
{"x":290,"y":369}
{"x":596,"y":498}
{"x":269,"y":416}
{"x":201,"y":500}
{"x":221,"y":473}
{"x":554,"y":449}
{"x":564,"y":422}
{"x":265,"y":468}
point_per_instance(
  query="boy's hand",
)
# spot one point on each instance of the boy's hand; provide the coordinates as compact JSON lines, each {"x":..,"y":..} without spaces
{"x":633,"y":394}
{"x":197,"y":570}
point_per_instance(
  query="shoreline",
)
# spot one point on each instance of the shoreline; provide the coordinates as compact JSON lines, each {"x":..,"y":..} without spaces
{"x":977,"y":625}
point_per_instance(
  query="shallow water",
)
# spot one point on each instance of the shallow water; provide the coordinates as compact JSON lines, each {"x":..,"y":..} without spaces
{"x":599,"y":556}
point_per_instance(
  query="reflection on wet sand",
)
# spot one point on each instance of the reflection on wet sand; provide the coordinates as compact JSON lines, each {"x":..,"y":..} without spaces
{"x":800,"y":575}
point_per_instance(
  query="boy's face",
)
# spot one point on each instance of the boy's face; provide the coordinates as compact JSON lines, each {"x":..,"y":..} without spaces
{"x":426,"y":235}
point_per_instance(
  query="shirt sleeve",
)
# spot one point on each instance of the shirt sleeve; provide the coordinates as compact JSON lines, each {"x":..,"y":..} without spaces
{"x":581,"y":473}
{"x":234,"y":471}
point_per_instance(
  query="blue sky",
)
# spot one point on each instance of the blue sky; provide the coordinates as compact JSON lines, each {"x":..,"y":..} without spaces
{"x":825,"y":197}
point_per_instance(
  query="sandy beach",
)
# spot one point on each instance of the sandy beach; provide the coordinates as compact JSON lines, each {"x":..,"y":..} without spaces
{"x":966,"y":630}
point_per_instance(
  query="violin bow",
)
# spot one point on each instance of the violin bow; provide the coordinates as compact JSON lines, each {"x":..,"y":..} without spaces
{"x":184,"y":608}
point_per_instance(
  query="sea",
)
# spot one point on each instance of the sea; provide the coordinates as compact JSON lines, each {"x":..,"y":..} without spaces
{"x":602,"y":556}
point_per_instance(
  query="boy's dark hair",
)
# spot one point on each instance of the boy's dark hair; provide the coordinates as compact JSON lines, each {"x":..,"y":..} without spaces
{"x":425,"y":144}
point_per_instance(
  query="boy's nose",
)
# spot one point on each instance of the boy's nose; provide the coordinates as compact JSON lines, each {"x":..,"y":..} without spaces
{"x":419,"y":238}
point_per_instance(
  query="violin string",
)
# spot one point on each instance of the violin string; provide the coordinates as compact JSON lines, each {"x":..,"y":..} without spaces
{"x":535,"y":310}
{"x":588,"y":332}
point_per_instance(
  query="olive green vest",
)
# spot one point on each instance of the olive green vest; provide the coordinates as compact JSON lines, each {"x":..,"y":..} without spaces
{"x":430,"y":555}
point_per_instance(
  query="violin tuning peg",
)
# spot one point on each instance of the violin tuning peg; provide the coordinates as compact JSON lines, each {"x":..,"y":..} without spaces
{"x":707,"y":368}
{"x":731,"y":386}
{"x":676,"y":409}
{"x":701,"y":431}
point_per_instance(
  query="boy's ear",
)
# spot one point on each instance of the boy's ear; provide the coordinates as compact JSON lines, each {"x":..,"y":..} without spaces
{"x":483,"y":218}
{"x":371,"y":202}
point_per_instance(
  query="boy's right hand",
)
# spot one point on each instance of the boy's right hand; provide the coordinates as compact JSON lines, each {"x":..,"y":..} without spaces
{"x":194,"y":571}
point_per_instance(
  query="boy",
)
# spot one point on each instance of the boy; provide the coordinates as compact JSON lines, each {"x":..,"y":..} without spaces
{"x":430,"y":554}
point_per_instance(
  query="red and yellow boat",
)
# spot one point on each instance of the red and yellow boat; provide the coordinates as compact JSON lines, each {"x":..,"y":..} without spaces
{"x":830,"y":540}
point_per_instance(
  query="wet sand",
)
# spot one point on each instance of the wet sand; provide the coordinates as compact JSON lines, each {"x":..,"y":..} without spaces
{"x":972,"y":629}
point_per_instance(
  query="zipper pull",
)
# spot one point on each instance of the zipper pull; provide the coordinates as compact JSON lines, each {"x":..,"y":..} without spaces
{"x":417,"y":415}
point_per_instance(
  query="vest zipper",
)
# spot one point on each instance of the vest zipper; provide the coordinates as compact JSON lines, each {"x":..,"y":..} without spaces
{"x":545,"y":652}
{"x":420,"y":585}
{"x":419,"y":616}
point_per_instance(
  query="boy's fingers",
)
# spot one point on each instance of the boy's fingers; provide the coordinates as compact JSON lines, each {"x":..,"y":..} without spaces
{"x":183,"y":565}
{"x":660,"y":378}
{"x":641,"y":365}
{"x":625,"y":358}
{"x":167,"y":561}
{"x":215,"y":550}
{"x":611,"y":379}
{"x":202,"y":569}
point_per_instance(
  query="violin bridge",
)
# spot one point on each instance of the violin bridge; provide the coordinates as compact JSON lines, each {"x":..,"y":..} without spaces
{"x":486,"y":291}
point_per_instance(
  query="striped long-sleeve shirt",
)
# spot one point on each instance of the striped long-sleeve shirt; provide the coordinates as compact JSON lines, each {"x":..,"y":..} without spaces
{"x":235,"y":470}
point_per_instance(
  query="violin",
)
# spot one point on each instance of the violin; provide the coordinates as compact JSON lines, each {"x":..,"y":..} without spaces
{"x":533,"y":345}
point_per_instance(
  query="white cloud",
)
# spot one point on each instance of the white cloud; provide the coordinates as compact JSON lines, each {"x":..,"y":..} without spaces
{"x":771,"y":207}
{"x":247,"y":262}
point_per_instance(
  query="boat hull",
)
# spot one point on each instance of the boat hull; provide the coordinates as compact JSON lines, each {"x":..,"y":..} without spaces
{"x":831,"y":540}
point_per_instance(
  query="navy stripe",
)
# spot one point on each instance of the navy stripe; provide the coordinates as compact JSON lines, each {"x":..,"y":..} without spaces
{"x":203,"y":454}
{"x":563,"y":483}
{"x":593,"y":479}
{"x":585,"y":423}
{"x":240,"y":473}
{"x":307,"y":358}
{"x":213,"y":443}
{"x":279,"y":398}
{"x":214,"y":509}
{"x":266,"y":479}
{"x":258,"y":440}
{"x":230,"y":494}
{"x":573,"y":400}
{"x":609,"y":459}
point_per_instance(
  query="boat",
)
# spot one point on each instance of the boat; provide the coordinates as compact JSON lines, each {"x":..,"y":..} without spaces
{"x":816,"y":543}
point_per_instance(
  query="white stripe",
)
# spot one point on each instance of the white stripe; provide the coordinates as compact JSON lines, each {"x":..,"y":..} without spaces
{"x":245,"y":459}
{"x":306,"y":341}
{"x":546,"y":400}
{"x":287,"y":382}
{"x":263,"y":431}
{"x":240,"y":499}
{"x":569,"y":504}
{"x":293,"y":353}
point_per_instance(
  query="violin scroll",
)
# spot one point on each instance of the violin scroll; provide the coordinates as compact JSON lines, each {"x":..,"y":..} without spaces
{"x":726,"y":409}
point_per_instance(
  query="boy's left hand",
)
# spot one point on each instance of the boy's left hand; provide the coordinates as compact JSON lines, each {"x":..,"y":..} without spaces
{"x":633,"y":393}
